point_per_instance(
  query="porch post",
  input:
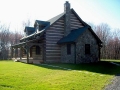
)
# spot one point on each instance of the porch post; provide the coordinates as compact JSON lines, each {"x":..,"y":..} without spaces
{"x":15,"y":52}
{"x":12,"y":52}
{"x":20,"y":53}
{"x":27,"y":52}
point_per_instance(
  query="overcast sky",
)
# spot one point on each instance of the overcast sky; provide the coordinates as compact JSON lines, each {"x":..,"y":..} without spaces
{"x":14,"y":12}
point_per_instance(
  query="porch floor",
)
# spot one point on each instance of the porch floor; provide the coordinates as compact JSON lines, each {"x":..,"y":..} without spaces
{"x":31,"y":60}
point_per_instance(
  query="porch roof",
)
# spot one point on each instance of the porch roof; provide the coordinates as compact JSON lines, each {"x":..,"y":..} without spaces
{"x":48,"y":23}
{"x":74,"y":34}
{"x":19,"y":44}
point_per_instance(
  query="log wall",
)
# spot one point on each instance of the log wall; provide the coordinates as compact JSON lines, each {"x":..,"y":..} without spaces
{"x":53,"y":35}
{"x":74,"y":22}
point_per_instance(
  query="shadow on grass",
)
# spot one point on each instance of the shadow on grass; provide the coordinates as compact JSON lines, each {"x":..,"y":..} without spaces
{"x":7,"y":86}
{"x":103,"y":67}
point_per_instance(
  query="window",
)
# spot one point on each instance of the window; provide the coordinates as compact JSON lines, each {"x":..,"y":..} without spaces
{"x":87,"y":48}
{"x":41,"y":27}
{"x":68,"y":49}
{"x":38,"y":50}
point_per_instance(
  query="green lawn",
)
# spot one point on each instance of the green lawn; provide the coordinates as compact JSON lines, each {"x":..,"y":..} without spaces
{"x":21,"y":76}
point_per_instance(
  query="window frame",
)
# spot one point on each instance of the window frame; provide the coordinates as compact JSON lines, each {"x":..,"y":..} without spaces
{"x":87,"y":49}
{"x":68,"y":49}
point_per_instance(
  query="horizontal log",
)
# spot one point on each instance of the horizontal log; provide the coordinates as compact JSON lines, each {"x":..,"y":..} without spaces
{"x":52,"y":50}
{"x":73,"y":28}
{"x":72,"y":14}
{"x":74,"y":20}
{"x":55,"y":30}
{"x":53,"y":54}
{"x":61,"y":23}
{"x":76,"y":25}
{"x":61,"y":28}
{"x":61,"y":20}
{"x":49,"y":33}
{"x":47,"y":42}
{"x":73,"y":17}
{"x":57,"y":33}
{"x":50,"y":47}
{"x":52,"y":39}
{"x":56,"y":36}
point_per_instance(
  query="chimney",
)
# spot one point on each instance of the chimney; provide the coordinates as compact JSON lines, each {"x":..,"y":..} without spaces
{"x":67,"y":18}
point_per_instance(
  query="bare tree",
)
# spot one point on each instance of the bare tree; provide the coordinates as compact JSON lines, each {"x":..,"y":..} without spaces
{"x":7,"y":38}
{"x":4,"y":40}
{"x":103,"y":32}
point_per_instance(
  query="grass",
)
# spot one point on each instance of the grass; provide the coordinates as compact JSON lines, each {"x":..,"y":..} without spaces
{"x":21,"y":76}
{"x":112,"y":60}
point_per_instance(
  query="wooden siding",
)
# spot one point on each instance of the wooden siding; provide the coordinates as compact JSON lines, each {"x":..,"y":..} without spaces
{"x":53,"y":35}
{"x":34,"y":56}
{"x":74,"y":22}
{"x":24,"y":55}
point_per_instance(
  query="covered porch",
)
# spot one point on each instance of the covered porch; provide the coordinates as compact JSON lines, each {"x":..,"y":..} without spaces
{"x":28,"y":52}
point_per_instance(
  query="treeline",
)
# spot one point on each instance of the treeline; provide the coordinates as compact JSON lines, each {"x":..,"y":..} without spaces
{"x":111,"y":40}
{"x":7,"y":38}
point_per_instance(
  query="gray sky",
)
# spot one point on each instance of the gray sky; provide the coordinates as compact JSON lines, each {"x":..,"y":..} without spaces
{"x":14,"y":12}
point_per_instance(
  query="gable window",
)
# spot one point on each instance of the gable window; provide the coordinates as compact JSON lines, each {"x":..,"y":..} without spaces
{"x":38,"y":50}
{"x":68,"y":49}
{"x":87,"y":48}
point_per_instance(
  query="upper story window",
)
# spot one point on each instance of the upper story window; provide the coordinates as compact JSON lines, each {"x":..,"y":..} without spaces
{"x":87,"y":48}
{"x":41,"y":27}
{"x":68,"y":49}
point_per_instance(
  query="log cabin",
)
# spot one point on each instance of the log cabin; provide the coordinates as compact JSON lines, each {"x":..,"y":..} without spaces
{"x":65,"y":38}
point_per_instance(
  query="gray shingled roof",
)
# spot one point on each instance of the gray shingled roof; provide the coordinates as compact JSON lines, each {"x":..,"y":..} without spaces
{"x":42,"y":22}
{"x":54,"y":19}
{"x":74,"y":34}
{"x":32,"y":29}
{"x":48,"y":23}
